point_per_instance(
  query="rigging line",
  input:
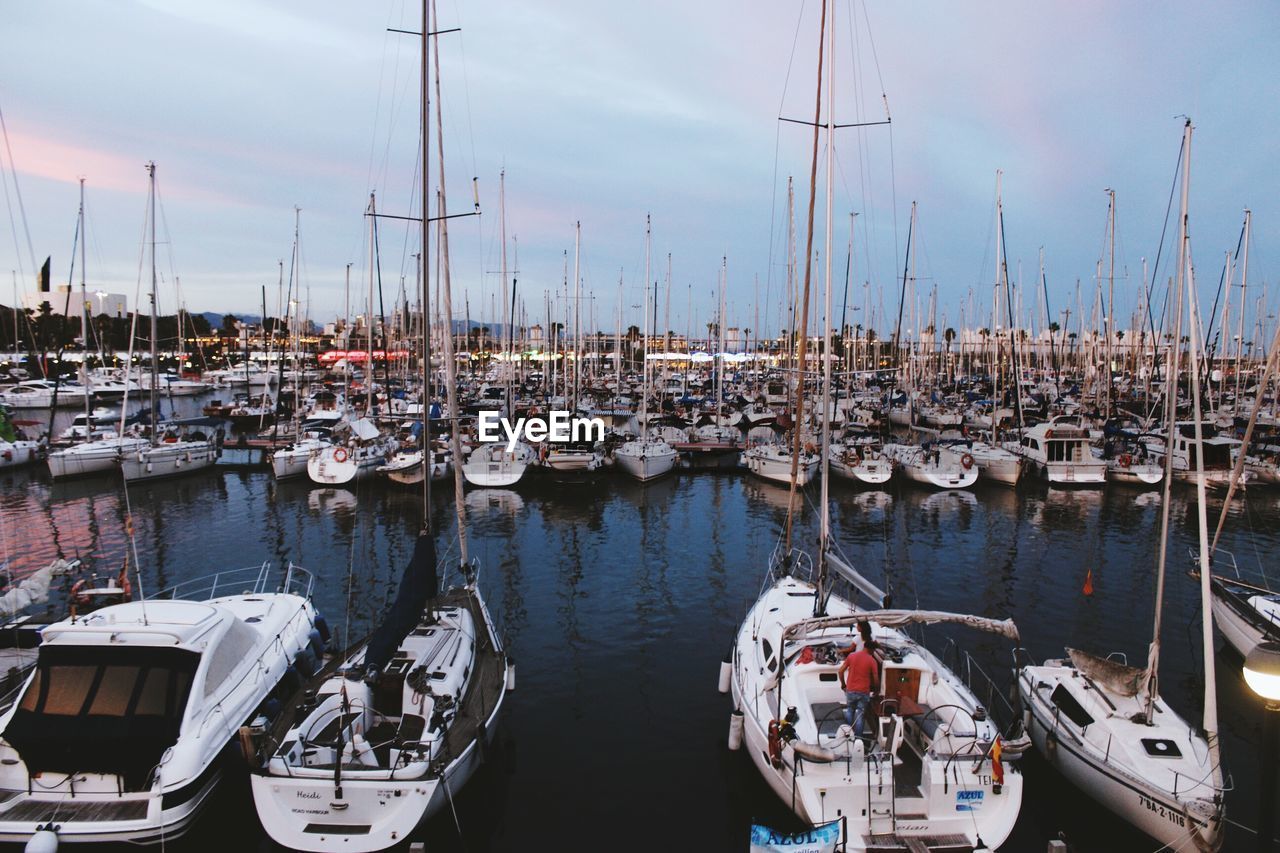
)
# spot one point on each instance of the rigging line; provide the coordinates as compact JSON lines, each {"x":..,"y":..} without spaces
{"x":17,"y":191}
{"x":466,"y":88}
{"x":864,"y":163}
{"x":1155,"y":270}
{"x":777,"y":146}
{"x":1212,"y":346}
{"x":893,"y":175}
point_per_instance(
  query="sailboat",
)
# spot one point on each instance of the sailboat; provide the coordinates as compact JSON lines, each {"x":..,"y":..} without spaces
{"x":1103,"y":723}
{"x":394,"y":729}
{"x":182,"y":446}
{"x":932,"y":776}
{"x":1246,"y":605}
{"x":647,"y":457}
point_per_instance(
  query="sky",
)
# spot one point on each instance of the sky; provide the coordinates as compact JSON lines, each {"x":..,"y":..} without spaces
{"x":604,"y":114}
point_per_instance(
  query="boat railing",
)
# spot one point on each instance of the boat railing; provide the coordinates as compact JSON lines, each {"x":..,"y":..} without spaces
{"x":1223,"y":565}
{"x":253,"y":580}
{"x":796,"y":563}
{"x":994,"y":698}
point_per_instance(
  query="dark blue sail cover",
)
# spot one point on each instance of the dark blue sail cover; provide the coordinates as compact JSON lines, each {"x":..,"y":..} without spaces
{"x":418,"y":584}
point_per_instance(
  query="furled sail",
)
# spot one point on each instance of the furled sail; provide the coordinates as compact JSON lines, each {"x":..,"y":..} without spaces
{"x":418,"y":584}
{"x":1117,"y":677}
{"x":899,"y":618}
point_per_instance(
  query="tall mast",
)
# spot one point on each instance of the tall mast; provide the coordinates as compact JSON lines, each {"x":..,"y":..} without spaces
{"x":724,"y":284}
{"x":1244,"y":280}
{"x":644,"y":365}
{"x":84,"y":330}
{"x":1003,"y":265}
{"x":824,"y":535}
{"x":155,"y":414}
{"x":1111,"y":295}
{"x":1206,"y":592}
{"x":368,"y":320}
{"x":506,"y":317}
{"x":798,"y":415}
{"x":1172,"y":365}
{"x":424,"y":113}
{"x":577,"y":317}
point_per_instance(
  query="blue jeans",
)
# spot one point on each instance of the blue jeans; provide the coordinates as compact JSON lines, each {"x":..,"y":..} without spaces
{"x":856,"y":709}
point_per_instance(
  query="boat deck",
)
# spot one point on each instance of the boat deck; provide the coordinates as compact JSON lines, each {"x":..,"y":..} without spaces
{"x":484,"y":689}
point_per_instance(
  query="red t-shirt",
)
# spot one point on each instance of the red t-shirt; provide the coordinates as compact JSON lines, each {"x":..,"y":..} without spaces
{"x":862,"y":672}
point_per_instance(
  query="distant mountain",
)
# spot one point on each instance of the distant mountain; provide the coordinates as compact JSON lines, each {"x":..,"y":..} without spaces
{"x":461,"y":326}
{"x":215,"y":319}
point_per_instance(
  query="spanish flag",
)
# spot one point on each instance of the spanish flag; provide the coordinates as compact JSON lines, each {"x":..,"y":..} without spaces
{"x":997,"y":768}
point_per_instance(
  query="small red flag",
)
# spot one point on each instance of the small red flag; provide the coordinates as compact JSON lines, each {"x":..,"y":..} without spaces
{"x":1088,"y":582}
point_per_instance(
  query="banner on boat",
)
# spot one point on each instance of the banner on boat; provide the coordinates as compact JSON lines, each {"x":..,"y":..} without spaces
{"x":821,"y":839}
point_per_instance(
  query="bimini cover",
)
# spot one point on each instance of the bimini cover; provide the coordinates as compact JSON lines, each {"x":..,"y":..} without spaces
{"x":100,"y":709}
{"x":364,"y":429}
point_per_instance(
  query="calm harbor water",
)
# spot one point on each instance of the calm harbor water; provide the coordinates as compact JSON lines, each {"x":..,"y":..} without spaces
{"x":619,"y":600}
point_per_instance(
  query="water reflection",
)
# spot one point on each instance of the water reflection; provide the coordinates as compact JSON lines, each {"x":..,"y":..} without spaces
{"x":619,"y":600}
{"x":502,"y":501}
{"x":335,"y":502}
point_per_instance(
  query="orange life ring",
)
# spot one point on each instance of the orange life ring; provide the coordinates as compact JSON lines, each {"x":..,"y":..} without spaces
{"x":1125,"y":460}
{"x":967,"y":461}
{"x":340,"y":454}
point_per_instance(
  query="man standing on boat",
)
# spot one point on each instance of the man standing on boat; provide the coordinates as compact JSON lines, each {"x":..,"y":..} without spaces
{"x":860,"y":675}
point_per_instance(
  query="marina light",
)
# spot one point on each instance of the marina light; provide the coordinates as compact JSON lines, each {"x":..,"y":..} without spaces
{"x":1262,"y":672}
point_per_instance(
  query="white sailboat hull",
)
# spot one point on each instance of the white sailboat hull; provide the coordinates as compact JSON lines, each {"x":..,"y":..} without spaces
{"x":15,"y":453}
{"x":946,"y":472}
{"x":298,"y":812}
{"x":872,"y":471}
{"x":996,"y":464}
{"x":1239,"y":632}
{"x":1129,"y":795}
{"x":168,"y":460}
{"x":329,"y":468}
{"x":494,"y":474}
{"x":776,"y":467}
{"x":97,"y":458}
{"x":647,"y":462}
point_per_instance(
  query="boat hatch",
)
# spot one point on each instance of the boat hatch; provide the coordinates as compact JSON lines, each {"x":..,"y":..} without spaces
{"x":1062,"y":698}
{"x":1161,"y":747}
{"x":94,"y":709}
{"x":235,"y":647}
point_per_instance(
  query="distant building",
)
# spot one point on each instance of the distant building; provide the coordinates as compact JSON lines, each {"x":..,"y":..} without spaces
{"x":536,"y":337}
{"x":66,"y":301}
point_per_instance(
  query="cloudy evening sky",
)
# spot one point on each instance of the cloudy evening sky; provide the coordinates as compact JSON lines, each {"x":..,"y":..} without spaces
{"x":605,"y":112}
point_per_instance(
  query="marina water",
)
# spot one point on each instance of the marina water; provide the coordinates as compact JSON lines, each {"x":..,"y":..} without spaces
{"x":619,"y":601}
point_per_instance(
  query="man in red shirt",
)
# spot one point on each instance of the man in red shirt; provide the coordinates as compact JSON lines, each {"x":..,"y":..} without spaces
{"x":859,"y":674}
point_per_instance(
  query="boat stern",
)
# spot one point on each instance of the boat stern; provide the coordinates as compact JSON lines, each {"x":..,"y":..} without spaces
{"x":312,"y":814}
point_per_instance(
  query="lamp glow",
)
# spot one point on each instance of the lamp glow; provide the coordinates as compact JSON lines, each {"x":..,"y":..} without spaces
{"x":1262,"y":671}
